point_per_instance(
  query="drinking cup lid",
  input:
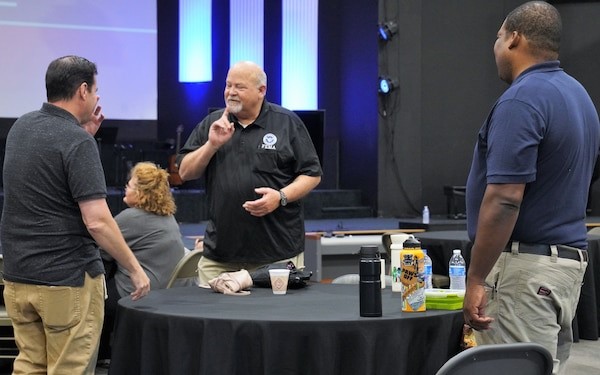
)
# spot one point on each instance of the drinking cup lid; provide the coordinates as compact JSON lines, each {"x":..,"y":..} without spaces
{"x":369,"y":251}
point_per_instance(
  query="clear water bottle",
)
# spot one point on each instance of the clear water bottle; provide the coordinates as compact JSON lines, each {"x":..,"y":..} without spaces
{"x":427,"y":270}
{"x":425,"y":215}
{"x":457,"y":271}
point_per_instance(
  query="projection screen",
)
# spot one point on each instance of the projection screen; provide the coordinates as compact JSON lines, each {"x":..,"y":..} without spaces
{"x":119,"y":36}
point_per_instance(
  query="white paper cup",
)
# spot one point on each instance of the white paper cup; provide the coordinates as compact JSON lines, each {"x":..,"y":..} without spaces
{"x":279,"y":280}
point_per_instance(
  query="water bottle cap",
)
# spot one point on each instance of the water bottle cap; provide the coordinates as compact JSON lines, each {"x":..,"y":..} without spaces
{"x":456,"y":251}
{"x":369,"y":251}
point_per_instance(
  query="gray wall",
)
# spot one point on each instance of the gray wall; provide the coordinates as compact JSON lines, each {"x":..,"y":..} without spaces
{"x":443,"y":58}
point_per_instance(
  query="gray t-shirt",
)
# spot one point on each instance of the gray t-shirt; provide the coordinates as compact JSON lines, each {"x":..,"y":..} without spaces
{"x":50,"y":165}
{"x":156,"y":243}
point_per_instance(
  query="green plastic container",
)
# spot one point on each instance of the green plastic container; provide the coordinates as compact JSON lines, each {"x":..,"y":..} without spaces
{"x":444,"y":299}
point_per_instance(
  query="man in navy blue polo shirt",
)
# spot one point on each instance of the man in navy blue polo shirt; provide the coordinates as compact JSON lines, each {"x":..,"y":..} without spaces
{"x":527,"y":192}
{"x":258,"y":161}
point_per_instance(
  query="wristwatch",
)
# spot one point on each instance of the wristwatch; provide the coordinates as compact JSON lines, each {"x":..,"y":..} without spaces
{"x":282,"y":198}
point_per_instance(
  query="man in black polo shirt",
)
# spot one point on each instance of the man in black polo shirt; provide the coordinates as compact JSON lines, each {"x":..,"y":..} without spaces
{"x":258,"y":161}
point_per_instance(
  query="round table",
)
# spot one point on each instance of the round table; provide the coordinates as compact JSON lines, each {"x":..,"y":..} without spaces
{"x":315,"y":330}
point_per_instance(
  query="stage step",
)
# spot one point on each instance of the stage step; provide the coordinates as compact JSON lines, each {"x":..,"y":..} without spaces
{"x":192,"y":206}
{"x":345,"y":212}
{"x":335,"y":204}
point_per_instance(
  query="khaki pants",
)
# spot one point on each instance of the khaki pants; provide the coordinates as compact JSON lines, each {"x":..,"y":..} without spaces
{"x":57,"y":328}
{"x":209,"y":269}
{"x":534,"y":300}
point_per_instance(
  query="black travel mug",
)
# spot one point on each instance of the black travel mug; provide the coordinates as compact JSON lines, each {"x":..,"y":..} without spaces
{"x":370,"y":281}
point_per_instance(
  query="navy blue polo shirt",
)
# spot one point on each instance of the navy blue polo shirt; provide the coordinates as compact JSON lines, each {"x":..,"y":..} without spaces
{"x":271,"y":152}
{"x":543,"y":132}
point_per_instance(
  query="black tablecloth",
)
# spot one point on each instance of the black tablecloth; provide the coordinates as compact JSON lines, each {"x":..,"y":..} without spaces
{"x":316,"y":330}
{"x":439,"y":245}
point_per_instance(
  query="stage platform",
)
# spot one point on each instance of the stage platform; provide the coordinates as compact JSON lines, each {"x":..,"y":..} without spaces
{"x":328,"y":226}
{"x":191,"y":230}
{"x":332,"y":227}
{"x":192,"y":205}
{"x":332,"y":244}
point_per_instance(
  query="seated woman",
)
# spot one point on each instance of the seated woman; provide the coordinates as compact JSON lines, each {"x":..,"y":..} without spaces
{"x":152,"y":233}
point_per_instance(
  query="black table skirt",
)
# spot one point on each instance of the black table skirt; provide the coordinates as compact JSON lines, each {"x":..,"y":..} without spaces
{"x":439,"y":245}
{"x":316,"y":330}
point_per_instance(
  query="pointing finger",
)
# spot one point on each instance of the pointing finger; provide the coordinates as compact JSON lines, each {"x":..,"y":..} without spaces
{"x":225,"y":119}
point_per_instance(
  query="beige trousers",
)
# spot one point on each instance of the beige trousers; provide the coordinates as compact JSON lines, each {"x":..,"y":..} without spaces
{"x":533,"y":299}
{"x":57,"y":328}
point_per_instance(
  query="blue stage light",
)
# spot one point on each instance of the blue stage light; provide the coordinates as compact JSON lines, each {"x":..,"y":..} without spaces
{"x":246,"y":31}
{"x":387,"y":30}
{"x":299,"y":54}
{"x":387,"y":85}
{"x":195,"y":41}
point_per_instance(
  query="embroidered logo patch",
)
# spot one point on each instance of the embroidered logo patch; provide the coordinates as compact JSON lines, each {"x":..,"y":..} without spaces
{"x":543,"y":291}
{"x":269,"y":141}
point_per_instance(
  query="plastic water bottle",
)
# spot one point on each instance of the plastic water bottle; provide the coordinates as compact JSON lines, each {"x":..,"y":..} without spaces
{"x":425,"y":215}
{"x":427,"y":271}
{"x":370,"y":281}
{"x":458,"y":271}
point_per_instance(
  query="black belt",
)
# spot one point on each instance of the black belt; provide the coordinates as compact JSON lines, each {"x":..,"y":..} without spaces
{"x":566,"y":252}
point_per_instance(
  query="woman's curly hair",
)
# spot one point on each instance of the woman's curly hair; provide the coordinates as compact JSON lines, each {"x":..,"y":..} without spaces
{"x":154,"y":192}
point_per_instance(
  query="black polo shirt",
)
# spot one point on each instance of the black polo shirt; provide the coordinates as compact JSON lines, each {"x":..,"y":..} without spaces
{"x":271,"y":152}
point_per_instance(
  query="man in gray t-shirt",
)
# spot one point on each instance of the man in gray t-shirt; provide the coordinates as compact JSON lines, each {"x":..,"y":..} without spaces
{"x":54,"y":214}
